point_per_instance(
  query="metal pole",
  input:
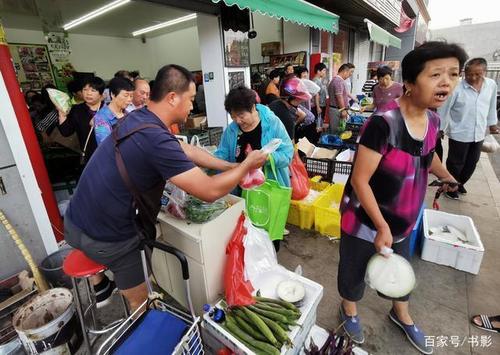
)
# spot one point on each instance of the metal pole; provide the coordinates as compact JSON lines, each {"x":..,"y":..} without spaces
{"x":29,"y":136}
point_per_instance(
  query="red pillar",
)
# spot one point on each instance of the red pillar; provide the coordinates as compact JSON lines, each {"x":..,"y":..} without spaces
{"x":29,"y":137}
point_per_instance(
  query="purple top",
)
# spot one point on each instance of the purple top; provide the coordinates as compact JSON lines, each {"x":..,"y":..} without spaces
{"x":383,"y":96}
{"x":337,"y":87}
{"x":400,"y":181}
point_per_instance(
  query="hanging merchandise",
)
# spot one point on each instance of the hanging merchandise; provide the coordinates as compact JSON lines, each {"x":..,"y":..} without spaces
{"x":298,"y":178}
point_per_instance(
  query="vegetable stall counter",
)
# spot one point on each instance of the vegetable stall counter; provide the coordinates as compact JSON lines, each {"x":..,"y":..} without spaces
{"x":205,"y":248}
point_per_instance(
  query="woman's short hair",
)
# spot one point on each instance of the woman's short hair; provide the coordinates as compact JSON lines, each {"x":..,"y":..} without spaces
{"x":319,"y":67}
{"x":300,"y":70}
{"x":95,"y":83}
{"x":383,"y":71}
{"x":240,"y":99}
{"x":118,"y":84}
{"x":414,"y":62}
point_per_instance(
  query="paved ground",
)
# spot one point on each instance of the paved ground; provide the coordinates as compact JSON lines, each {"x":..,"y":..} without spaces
{"x":445,"y":298}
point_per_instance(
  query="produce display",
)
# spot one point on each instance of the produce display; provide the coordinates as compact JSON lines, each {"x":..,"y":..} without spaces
{"x":263,"y":327}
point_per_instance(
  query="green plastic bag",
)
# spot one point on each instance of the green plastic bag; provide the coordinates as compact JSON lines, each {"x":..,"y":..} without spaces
{"x":267,"y":205}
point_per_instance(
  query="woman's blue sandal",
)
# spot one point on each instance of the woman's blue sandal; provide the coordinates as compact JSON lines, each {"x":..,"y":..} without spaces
{"x":414,"y":335}
{"x":352,"y":327}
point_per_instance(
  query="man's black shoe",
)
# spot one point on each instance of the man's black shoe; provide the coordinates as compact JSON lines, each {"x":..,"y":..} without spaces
{"x":452,"y":195}
{"x":462,"y":190}
{"x":103,"y":291}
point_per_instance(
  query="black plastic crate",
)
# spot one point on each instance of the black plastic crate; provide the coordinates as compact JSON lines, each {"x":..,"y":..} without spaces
{"x":322,"y":167}
{"x":342,"y":167}
{"x":215,"y":135}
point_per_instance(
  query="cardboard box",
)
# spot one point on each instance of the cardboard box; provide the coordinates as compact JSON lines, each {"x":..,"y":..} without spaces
{"x":311,"y":151}
{"x":197,"y":121}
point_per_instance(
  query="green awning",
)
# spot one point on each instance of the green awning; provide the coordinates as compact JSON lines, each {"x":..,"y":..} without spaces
{"x":298,"y":11}
{"x":379,"y":35}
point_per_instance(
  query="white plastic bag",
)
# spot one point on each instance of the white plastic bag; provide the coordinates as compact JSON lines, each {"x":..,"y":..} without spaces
{"x":176,"y":201}
{"x":260,"y":256}
{"x":390,"y":274}
{"x":490,"y":144}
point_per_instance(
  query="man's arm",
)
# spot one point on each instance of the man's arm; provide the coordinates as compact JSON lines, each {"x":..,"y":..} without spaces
{"x":210,"y":188}
{"x":492,"y":112}
{"x":204,"y":159}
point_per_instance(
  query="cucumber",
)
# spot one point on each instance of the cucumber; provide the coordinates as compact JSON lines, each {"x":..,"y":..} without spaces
{"x":274,"y":316}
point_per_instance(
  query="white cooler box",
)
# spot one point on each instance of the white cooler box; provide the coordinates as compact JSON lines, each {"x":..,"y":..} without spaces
{"x":267,"y":285}
{"x":461,"y":256}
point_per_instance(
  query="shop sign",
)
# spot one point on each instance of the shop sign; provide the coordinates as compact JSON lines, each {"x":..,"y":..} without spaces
{"x":60,"y":50}
{"x":236,"y":49}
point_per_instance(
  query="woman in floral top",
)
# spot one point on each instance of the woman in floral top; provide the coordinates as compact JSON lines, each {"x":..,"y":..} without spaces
{"x":121,"y":90}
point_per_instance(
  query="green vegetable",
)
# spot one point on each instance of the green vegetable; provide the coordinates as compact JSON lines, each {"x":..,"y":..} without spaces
{"x":260,"y":325}
{"x":245,"y":326}
{"x":199,"y":211}
{"x":278,"y":331}
{"x":265,"y":347}
{"x":274,"y":316}
{"x":286,"y":312}
{"x":279,"y":302}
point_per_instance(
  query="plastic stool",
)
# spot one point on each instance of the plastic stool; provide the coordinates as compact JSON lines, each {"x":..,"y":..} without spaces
{"x":78,"y":266}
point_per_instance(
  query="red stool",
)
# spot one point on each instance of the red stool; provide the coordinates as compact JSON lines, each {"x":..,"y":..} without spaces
{"x":78,"y":266}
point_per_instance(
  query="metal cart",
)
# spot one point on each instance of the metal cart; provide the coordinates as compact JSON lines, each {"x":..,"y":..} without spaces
{"x":157,"y":324}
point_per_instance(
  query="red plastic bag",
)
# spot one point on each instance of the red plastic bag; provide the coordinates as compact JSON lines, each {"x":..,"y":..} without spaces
{"x":299,"y":178}
{"x":238,"y":291}
{"x":254,"y":178}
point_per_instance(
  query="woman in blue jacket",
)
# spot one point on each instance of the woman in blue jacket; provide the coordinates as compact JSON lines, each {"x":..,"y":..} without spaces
{"x":254,"y":126}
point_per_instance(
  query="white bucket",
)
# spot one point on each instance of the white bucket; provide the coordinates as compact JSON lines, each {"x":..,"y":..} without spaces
{"x":47,"y":324}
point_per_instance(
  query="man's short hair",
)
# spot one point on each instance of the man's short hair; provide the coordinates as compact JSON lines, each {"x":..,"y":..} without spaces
{"x":319,"y":67}
{"x":476,"y":61}
{"x":118,"y":84}
{"x":95,"y":83}
{"x":240,"y":99}
{"x":344,"y":67}
{"x":170,"y":78}
{"x":122,"y":74}
{"x":350,"y":65}
{"x":414,"y":62}
{"x":138,"y":80}
{"x":275,"y":73}
{"x":383,"y":71}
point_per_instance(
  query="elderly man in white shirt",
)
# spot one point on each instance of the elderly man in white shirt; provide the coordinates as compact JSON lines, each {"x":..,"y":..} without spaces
{"x":465,"y":117}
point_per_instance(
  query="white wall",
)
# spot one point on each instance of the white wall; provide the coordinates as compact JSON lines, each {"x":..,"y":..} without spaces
{"x":269,"y":30}
{"x":179,"y":47}
{"x":211,"y":49}
{"x":296,"y":37}
{"x":106,"y":55}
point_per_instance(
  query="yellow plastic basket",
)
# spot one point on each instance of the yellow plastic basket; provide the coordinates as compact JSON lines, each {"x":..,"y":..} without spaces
{"x":301,"y":213}
{"x":326,"y":211}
